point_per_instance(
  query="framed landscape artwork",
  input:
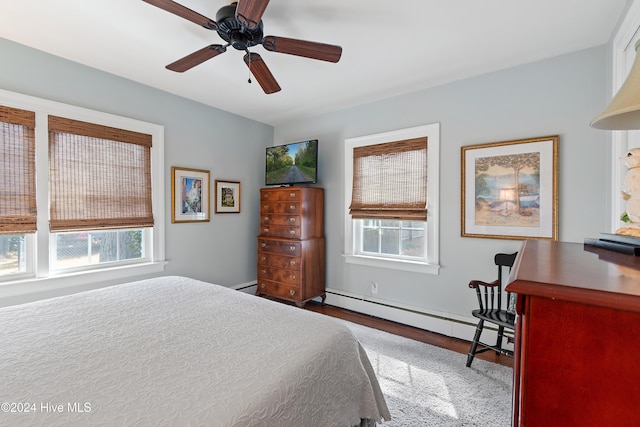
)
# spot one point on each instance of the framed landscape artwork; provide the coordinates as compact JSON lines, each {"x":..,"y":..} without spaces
{"x":510,"y":189}
{"x":189,"y":195}
{"x":227,"y":196}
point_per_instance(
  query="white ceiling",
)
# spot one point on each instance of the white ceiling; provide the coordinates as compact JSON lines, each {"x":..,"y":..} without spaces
{"x":389,"y":47}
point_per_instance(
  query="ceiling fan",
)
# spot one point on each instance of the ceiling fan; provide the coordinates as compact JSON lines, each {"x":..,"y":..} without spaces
{"x":240,"y":26}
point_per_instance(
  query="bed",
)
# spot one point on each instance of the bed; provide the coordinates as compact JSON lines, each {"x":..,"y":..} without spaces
{"x":176,"y":351}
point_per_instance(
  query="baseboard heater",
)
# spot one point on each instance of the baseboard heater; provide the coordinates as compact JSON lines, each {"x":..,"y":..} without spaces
{"x":441,"y":323}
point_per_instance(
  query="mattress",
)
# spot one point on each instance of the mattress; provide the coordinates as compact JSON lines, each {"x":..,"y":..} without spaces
{"x":176,"y":351}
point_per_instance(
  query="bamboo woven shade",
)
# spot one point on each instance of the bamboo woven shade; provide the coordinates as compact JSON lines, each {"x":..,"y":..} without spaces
{"x":99,"y":177}
{"x":17,"y":171}
{"x":390,"y":181}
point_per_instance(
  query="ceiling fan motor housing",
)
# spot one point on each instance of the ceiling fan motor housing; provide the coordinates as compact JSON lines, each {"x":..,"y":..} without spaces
{"x":231,"y":31}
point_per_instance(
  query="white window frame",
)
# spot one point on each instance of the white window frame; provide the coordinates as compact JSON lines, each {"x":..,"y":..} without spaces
{"x":358,"y":234}
{"x":430,"y":264}
{"x":623,"y":56}
{"x":40,"y":278}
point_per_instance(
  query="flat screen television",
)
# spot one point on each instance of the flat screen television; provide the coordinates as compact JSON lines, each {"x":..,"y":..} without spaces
{"x":293,"y":163}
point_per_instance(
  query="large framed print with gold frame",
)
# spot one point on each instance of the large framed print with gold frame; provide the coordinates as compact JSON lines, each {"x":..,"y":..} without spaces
{"x":189,"y":195}
{"x":510,"y":189}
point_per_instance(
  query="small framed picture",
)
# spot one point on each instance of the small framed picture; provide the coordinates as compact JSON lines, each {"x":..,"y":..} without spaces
{"x":227,"y":196}
{"x":189,"y":195}
{"x":510,"y":189}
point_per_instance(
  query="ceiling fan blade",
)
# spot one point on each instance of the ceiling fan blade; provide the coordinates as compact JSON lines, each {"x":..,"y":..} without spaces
{"x":307,"y":49}
{"x":184,"y":12}
{"x":196,"y":58}
{"x":262,"y":74}
{"x":249,"y":12}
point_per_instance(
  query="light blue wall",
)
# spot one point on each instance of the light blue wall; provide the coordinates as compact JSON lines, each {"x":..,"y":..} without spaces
{"x":555,"y":96}
{"x":196,"y":136}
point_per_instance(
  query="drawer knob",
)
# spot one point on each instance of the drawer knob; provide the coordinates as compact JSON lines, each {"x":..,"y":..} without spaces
{"x":266,"y":229}
{"x":293,"y":277}
{"x":264,"y":258}
{"x":264,"y":245}
{"x":292,"y":194}
{"x":266,"y":218}
{"x":292,"y":220}
{"x":292,"y":207}
{"x":292,"y":292}
{"x":292,"y":232}
{"x":263,"y":286}
{"x":292,"y":263}
{"x":292,"y":248}
{"x":266,"y":207}
{"x":263,"y":271}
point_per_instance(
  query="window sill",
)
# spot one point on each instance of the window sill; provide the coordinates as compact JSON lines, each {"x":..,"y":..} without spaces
{"x":395,"y":264}
{"x":18,"y":291}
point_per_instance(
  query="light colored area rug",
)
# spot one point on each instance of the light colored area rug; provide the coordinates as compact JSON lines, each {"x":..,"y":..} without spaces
{"x":425,"y":385}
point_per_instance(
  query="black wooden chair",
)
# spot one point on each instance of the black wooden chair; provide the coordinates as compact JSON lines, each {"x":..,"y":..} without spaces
{"x":493,"y":309}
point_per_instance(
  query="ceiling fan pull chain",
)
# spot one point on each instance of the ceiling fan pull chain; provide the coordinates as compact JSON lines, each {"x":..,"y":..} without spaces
{"x":249,"y":65}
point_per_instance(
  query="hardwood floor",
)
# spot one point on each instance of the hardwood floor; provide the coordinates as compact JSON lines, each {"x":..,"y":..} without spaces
{"x":453,"y":344}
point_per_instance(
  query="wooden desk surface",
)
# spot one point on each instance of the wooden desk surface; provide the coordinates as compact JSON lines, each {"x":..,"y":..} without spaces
{"x":578,"y":273}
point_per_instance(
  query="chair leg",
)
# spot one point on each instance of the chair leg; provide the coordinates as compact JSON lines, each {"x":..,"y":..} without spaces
{"x":474,"y":343}
{"x":500,"y":337}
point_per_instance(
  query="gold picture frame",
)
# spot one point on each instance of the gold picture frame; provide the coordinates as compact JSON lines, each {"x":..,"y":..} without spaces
{"x":190,"y":195}
{"x":510,"y":189}
{"x":227,"y":196}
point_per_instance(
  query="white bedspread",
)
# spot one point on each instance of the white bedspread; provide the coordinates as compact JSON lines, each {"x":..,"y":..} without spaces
{"x":174,"y":351}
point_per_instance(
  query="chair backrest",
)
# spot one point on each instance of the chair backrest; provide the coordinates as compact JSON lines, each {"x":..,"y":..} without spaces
{"x":503,"y":261}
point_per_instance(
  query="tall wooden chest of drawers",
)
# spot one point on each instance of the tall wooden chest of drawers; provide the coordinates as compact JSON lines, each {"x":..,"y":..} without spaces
{"x":291,"y":244}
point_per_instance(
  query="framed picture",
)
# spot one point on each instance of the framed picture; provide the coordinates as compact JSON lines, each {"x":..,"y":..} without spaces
{"x":510,"y":189}
{"x":189,"y":195}
{"x":227,"y":196}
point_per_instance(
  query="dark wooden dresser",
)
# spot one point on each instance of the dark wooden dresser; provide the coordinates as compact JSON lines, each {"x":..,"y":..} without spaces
{"x":577,"y":349}
{"x":291,"y":244}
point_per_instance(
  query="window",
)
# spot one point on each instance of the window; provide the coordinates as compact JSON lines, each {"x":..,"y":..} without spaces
{"x":90,"y":175}
{"x":623,"y":57}
{"x":17,"y":188}
{"x":99,"y":177}
{"x":390,"y":180}
{"x":392,"y":238}
{"x":391,"y":213}
{"x":75,"y":251}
